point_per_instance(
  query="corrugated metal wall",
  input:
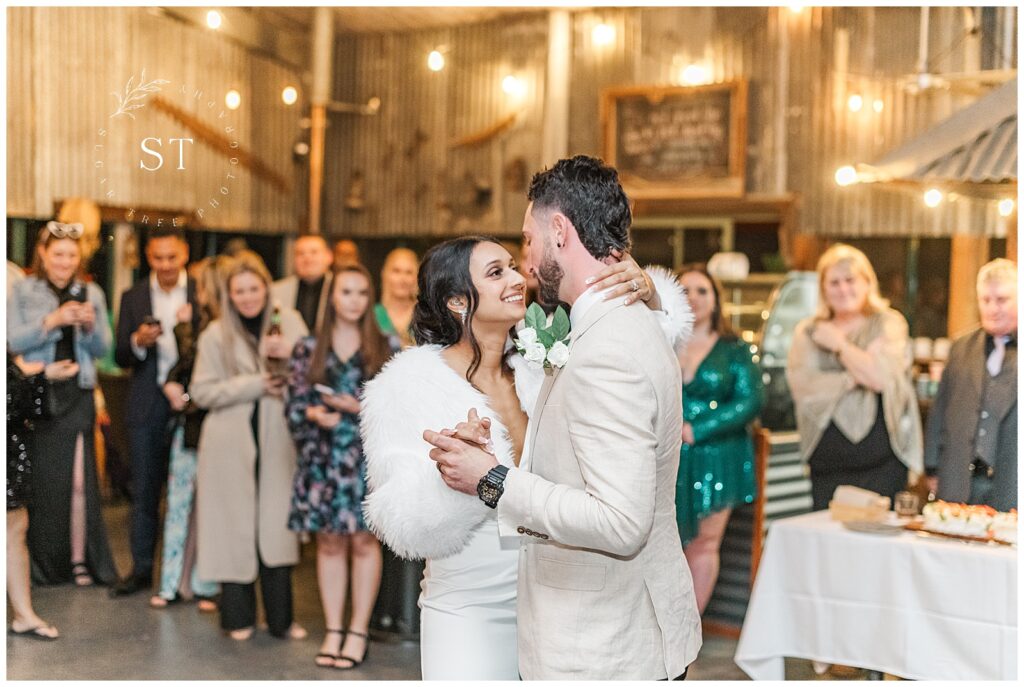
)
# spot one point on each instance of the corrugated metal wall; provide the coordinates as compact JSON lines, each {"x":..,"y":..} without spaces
{"x":415,"y":183}
{"x":63,"y":66}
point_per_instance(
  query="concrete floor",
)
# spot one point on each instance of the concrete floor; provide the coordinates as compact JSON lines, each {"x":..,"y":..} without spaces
{"x":122,"y":639}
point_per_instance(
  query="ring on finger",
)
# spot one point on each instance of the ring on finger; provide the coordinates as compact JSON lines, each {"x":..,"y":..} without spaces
{"x":633,"y":285}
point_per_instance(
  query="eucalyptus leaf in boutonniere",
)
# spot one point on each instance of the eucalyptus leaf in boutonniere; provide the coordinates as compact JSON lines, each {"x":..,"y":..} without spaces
{"x":542,"y":344}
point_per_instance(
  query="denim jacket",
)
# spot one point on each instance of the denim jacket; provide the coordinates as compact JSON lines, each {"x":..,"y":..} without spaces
{"x":32,"y":300}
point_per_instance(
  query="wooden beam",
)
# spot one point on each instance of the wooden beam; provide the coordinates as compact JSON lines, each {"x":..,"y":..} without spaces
{"x":968,"y":254}
{"x":1011,"y":236}
{"x":222,"y":144}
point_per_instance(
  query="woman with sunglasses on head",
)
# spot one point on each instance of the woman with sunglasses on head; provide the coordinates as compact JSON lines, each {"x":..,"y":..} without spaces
{"x":722,"y":394}
{"x":52,"y":316}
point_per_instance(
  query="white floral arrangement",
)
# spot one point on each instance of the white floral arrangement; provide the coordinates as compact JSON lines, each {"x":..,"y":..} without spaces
{"x":544,"y":345}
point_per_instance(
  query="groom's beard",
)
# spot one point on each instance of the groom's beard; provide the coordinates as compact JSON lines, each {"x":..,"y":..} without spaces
{"x":549,"y":280}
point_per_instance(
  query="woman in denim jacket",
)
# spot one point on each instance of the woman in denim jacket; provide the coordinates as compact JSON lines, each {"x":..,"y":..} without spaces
{"x":54,"y":316}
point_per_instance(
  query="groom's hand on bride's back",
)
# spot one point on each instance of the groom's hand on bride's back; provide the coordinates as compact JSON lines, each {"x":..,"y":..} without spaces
{"x":462,"y":465}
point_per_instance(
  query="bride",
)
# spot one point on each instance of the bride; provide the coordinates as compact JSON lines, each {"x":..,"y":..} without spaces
{"x":471,"y":296}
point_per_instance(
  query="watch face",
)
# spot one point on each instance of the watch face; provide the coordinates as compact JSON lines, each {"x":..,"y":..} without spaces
{"x":488,"y":492}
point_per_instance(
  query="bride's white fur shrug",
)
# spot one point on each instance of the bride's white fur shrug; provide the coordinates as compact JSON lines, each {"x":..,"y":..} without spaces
{"x":409,"y":506}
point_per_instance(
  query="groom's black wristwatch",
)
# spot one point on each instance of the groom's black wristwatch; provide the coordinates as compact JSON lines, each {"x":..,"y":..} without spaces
{"x":490,"y":487}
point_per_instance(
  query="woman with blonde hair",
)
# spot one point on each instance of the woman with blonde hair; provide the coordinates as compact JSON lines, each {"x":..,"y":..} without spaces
{"x":849,"y":373}
{"x":246,"y":456}
{"x":53,"y":316}
{"x":398,"y":295}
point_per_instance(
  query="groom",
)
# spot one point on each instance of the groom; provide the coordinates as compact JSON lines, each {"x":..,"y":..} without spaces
{"x":604,"y":590}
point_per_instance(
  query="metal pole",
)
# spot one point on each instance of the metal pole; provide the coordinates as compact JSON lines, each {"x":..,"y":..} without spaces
{"x":323,"y":43}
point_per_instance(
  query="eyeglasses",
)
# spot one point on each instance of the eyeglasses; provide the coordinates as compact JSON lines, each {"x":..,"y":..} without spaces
{"x":68,"y":231}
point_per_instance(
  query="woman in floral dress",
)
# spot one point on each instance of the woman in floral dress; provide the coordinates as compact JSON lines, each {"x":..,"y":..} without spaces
{"x":330,"y":482}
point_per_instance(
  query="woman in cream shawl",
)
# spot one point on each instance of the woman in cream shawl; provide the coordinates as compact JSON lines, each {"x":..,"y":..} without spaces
{"x":849,"y":372}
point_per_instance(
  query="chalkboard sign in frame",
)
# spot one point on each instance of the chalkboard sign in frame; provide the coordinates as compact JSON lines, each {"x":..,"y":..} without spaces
{"x":650,"y":172}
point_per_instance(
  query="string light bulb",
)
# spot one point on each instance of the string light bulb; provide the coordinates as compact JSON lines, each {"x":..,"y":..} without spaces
{"x":513,"y":86}
{"x":878,"y":105}
{"x":1006,"y":206}
{"x":846,"y":175}
{"x":695,"y":75}
{"x":855,"y":102}
{"x":233,"y":99}
{"x":603,"y":34}
{"x":932,"y":197}
{"x":213,"y":19}
{"x":435,"y":61}
{"x":289,"y":95}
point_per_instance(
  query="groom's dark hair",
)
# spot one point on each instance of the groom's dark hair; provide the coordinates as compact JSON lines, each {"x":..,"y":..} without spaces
{"x":588,"y":192}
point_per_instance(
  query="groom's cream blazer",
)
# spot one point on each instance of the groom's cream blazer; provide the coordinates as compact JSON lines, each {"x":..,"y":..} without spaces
{"x":604,"y":590}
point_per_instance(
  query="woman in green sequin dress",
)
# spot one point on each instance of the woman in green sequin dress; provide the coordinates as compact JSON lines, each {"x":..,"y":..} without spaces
{"x":722,"y":394}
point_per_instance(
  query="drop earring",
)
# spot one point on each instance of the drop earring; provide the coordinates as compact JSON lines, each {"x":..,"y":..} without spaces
{"x":462,"y":314}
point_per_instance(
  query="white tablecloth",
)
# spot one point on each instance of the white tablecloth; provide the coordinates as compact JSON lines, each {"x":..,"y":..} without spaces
{"x":916,"y":607}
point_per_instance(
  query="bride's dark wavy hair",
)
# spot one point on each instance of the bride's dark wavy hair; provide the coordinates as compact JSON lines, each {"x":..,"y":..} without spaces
{"x":444,"y":274}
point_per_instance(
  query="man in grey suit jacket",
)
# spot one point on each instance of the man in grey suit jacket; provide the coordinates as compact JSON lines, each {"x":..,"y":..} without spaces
{"x":306,"y":290}
{"x":604,"y":590}
{"x":970,"y":450}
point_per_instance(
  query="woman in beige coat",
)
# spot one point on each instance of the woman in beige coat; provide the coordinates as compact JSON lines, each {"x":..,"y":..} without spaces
{"x":246,"y":455}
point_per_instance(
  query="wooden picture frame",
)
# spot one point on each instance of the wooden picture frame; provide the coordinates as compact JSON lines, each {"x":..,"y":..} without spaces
{"x":670,"y":142}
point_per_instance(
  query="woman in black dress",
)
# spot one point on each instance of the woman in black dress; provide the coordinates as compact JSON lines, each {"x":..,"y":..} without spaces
{"x":849,"y":372}
{"x":26,"y":398}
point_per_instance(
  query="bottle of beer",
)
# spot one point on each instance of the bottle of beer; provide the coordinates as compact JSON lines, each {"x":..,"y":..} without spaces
{"x":276,"y":366}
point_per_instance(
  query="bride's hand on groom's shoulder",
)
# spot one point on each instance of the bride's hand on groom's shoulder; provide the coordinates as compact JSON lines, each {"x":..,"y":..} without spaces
{"x":475,"y":430}
{"x":460,"y":463}
{"x":619,"y":277}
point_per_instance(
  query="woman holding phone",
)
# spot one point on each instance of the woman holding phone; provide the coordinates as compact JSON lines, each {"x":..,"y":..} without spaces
{"x":322,"y":406}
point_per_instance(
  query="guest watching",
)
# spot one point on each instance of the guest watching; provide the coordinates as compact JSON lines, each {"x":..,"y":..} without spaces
{"x":398,"y":294}
{"x":26,"y":402}
{"x":146,"y":346}
{"x":722,"y":394}
{"x":52,"y":316}
{"x":849,"y":372}
{"x":330,"y":483}
{"x":179,"y":579}
{"x":246,"y":457}
{"x":306,"y":290}
{"x":971,"y":446}
{"x":346,"y":253}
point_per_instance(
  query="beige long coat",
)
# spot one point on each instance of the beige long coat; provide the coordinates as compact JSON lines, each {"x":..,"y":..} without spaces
{"x":231,"y":511}
{"x":604,"y":590}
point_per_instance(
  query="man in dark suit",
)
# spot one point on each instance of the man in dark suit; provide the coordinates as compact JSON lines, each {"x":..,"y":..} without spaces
{"x":971,"y":444}
{"x":146,"y":346}
{"x":306,"y":290}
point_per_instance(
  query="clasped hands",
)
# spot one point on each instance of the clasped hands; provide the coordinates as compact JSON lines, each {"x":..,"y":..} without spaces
{"x":463,"y":454}
{"x":72,"y":313}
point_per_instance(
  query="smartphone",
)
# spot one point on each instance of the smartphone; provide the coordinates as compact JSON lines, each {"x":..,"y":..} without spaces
{"x":149,"y":319}
{"x":324,"y":389}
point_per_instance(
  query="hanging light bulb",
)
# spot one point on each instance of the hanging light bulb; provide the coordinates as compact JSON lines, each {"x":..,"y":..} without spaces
{"x":513,"y":86}
{"x":435,"y":61}
{"x":1006,"y":206}
{"x":603,"y":34}
{"x":932,"y":197}
{"x":878,"y":105}
{"x":213,"y":19}
{"x":855,"y":102}
{"x":796,"y":9}
{"x":846,"y":175}
{"x":289,"y":95}
{"x":695,"y":75}
{"x":233,"y":99}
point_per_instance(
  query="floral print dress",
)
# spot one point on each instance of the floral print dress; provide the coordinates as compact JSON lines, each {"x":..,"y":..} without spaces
{"x":329,"y":484}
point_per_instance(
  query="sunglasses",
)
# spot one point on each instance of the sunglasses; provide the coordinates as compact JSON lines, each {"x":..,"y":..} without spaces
{"x":66,"y":231}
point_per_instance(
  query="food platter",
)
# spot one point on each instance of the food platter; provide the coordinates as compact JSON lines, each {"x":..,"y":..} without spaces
{"x":918,"y":526}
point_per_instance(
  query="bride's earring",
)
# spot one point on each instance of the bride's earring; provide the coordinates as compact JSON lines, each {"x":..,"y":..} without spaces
{"x":462,"y":314}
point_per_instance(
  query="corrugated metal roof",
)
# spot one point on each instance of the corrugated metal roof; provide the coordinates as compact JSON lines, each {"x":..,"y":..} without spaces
{"x":977,"y":145}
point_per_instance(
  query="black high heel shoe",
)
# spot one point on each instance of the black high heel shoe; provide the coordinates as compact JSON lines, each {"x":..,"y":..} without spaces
{"x":330,"y":657}
{"x":354,"y":663}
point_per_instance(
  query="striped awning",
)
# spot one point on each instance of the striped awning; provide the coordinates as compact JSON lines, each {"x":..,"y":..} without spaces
{"x":974,"y":150}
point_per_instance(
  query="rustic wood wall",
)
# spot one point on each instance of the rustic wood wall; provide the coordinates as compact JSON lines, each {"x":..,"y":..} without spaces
{"x":63,"y":65}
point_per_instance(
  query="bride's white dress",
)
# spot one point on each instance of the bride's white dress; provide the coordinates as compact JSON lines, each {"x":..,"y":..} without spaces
{"x":468,"y":610}
{"x":468,"y":592}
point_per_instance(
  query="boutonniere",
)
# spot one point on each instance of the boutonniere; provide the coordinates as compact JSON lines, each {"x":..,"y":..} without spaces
{"x":542,"y":344}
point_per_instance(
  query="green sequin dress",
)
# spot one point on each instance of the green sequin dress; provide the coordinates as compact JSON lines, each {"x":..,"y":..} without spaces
{"x":720,"y":402}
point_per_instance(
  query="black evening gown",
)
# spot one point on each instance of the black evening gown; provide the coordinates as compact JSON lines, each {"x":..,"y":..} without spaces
{"x":25,"y":398}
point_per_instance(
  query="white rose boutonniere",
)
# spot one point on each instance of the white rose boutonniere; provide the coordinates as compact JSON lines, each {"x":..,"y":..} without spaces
{"x":541,"y":344}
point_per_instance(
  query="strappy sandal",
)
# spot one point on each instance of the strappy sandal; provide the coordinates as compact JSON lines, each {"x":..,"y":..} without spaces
{"x":80,"y":574}
{"x":39,"y":632}
{"x":354,"y":663}
{"x":331,"y":658}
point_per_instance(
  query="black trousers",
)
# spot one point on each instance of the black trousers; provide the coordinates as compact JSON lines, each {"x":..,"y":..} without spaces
{"x":238,"y":601}
{"x":150,"y":444}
